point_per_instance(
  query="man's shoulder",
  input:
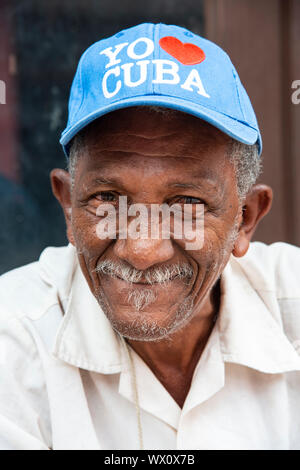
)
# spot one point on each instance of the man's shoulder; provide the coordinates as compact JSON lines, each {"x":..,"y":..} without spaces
{"x":274,"y":267}
{"x":273,"y":271}
{"x":31,"y":289}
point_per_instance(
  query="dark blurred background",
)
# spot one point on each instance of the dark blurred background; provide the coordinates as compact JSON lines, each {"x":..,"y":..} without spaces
{"x":40,"y":45}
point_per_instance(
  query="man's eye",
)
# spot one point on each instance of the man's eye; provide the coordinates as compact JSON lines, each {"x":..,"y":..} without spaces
{"x":106,"y":196}
{"x":189,"y":200}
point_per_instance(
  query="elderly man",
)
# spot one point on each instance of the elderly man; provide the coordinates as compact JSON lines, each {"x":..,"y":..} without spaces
{"x":127,"y":339}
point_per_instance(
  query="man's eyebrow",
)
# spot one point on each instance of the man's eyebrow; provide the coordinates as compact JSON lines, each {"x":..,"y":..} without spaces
{"x":196,"y":186}
{"x":105,"y":181}
{"x":186,"y":186}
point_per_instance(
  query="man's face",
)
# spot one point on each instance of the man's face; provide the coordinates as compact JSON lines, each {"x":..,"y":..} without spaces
{"x":147,"y":287}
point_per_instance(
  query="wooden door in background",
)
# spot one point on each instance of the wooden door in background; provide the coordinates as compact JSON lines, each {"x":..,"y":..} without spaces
{"x":262,"y":38}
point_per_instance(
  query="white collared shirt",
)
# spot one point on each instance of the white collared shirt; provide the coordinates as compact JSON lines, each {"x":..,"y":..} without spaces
{"x":65,"y":382}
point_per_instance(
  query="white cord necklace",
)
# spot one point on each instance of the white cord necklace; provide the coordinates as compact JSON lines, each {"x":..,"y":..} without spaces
{"x":134,"y":389}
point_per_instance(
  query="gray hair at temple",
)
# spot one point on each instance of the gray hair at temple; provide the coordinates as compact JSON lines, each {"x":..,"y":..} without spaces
{"x":245,"y":158}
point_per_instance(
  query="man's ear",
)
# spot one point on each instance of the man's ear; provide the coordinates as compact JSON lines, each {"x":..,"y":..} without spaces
{"x":61,"y":187}
{"x":257,"y":204}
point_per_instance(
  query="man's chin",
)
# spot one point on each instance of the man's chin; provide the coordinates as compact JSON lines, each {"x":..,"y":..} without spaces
{"x":152,"y":323}
{"x":140,"y":331}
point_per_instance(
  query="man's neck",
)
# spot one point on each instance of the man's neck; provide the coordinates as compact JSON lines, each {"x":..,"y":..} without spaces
{"x":173,"y":360}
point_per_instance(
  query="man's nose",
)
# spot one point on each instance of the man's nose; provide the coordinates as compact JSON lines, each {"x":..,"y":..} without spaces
{"x":144,"y":253}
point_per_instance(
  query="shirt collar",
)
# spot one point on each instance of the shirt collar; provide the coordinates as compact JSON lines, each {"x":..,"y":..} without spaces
{"x":249,"y":327}
{"x":249,"y":333}
{"x":85,"y":337}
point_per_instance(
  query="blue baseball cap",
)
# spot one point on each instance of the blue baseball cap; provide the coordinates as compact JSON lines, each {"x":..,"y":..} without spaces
{"x":160,"y":65}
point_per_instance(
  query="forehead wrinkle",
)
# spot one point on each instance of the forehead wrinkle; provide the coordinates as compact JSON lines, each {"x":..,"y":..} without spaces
{"x":124,"y":153}
{"x":108,"y":154}
{"x":140,"y":135}
{"x":166,"y":144}
{"x":103,"y":138}
{"x":206,"y":182}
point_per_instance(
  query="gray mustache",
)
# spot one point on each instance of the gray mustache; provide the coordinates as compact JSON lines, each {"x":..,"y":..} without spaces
{"x":159,"y":275}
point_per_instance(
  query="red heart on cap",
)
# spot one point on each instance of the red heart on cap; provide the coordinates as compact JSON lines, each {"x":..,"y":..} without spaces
{"x":186,"y":53}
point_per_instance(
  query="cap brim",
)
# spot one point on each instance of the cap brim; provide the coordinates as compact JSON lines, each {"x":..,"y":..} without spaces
{"x":236,"y":129}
